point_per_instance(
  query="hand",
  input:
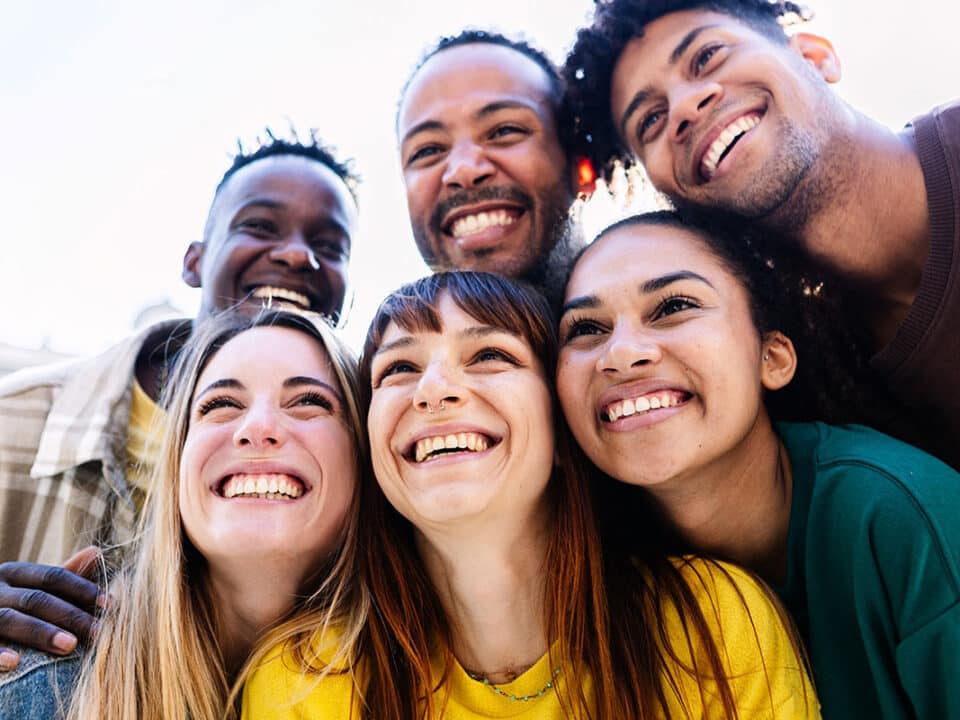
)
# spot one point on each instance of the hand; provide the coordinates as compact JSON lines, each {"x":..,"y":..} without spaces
{"x":47,"y":607}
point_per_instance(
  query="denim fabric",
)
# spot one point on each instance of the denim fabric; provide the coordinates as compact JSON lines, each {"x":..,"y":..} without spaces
{"x":39,"y":687}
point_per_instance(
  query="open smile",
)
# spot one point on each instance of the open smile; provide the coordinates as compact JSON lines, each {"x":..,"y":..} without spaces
{"x":431,"y":447}
{"x":273,"y":296}
{"x":266,"y":486}
{"x":643,"y":404}
{"x":472,"y":221}
{"x":724,"y":142}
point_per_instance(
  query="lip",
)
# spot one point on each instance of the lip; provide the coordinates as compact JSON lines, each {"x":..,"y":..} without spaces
{"x":409,"y":447}
{"x":260,"y":468}
{"x":713,"y":133}
{"x":248,"y":288}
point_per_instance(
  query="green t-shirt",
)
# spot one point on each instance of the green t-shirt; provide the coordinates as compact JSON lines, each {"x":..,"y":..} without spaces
{"x":873,"y":577}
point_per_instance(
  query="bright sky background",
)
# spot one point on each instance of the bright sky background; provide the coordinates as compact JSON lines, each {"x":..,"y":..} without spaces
{"x":120,"y":118}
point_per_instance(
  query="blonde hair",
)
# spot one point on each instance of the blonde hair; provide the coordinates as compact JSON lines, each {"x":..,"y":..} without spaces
{"x":157,"y":654}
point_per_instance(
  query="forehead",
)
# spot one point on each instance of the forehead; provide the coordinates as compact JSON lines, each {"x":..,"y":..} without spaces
{"x":268,"y":356}
{"x":637,"y":253}
{"x":289,"y":180}
{"x":467,"y":77}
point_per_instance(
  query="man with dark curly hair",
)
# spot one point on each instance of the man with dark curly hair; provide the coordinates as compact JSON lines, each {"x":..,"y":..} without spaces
{"x":728,"y":113}
{"x":75,"y":459}
{"x":488,"y":183}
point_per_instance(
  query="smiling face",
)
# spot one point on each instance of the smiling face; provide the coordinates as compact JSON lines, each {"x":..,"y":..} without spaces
{"x":721,"y":116}
{"x":661,"y":367}
{"x":486,"y":178}
{"x":460,"y":421}
{"x":279,"y":231}
{"x":268,"y":468}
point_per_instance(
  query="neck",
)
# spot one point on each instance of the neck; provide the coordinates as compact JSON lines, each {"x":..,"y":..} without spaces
{"x":156,"y":357}
{"x":864,"y":213}
{"x":249,"y":599}
{"x":491,"y":586}
{"x":738,"y":508}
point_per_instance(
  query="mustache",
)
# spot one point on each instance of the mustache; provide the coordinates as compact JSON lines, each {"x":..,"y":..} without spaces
{"x":469,"y":197}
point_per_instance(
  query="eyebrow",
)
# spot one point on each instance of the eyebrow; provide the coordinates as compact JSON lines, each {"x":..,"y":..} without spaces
{"x":291,"y":382}
{"x":650,"y":286}
{"x":675,"y":56}
{"x":488,"y":109}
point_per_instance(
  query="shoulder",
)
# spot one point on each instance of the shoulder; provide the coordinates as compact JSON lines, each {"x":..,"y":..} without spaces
{"x":39,"y":687}
{"x":753,"y":641}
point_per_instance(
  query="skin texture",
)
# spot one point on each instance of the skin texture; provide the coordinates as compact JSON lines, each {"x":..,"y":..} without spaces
{"x":489,"y":383}
{"x":649,"y":311}
{"x":728,"y":71}
{"x":267,"y":402}
{"x":477,"y":132}
{"x":283,"y":221}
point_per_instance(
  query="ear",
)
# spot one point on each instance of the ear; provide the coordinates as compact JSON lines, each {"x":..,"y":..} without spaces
{"x":191,"y":263}
{"x":778,"y":362}
{"x":820,"y":53}
{"x":584,"y":177}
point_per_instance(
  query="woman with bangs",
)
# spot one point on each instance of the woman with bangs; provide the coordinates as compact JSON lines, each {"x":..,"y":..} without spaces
{"x":494,"y":594}
{"x":253,"y":514}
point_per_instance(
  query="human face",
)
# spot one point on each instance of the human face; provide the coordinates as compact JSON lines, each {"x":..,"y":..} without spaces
{"x":486,"y":178}
{"x":268,"y":468}
{"x":279,"y":232}
{"x":720,"y":115}
{"x":478,"y":391}
{"x":660,"y":363}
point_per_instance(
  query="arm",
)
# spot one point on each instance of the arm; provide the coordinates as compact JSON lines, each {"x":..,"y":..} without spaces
{"x":47,"y":607}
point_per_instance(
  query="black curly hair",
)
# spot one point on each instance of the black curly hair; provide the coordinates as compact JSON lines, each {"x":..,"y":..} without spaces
{"x":312,"y":148}
{"x":472,"y":36}
{"x":586,"y":125}
{"x":790,"y":292}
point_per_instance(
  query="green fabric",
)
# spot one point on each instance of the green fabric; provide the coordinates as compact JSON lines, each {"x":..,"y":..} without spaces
{"x":873,"y":577}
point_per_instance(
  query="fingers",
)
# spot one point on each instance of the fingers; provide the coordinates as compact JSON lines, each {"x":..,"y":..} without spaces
{"x":8,"y":659}
{"x":84,"y":562}
{"x":29,"y":631}
{"x":47,"y":608}
{"x":52,"y":580}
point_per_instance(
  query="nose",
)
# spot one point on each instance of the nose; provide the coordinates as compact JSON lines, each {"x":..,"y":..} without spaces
{"x":260,"y":428}
{"x":295,"y":253}
{"x":467,"y":166}
{"x":437,"y":390}
{"x":690,"y":102}
{"x":628,"y":349}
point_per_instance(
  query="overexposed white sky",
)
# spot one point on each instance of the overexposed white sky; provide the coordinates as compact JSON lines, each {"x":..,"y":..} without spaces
{"x":119,"y":119}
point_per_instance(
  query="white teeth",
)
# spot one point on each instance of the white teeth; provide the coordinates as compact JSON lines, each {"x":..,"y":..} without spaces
{"x":271,"y":293}
{"x":634,"y":406}
{"x":426,"y":447}
{"x":469,"y":224}
{"x":268,"y":485}
{"x":734,"y":130}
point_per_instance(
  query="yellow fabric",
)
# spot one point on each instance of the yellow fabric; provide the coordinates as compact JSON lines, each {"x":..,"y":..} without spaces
{"x":765,"y":677}
{"x":143,"y":440}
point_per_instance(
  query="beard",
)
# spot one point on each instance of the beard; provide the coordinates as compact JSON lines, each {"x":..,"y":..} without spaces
{"x":544,"y":259}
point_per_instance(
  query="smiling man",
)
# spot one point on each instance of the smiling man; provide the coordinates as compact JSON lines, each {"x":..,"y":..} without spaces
{"x":489,"y":186}
{"x":729,"y":114}
{"x":75,"y":456}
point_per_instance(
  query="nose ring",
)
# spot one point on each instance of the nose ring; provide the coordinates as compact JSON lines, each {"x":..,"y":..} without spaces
{"x":440,"y":406}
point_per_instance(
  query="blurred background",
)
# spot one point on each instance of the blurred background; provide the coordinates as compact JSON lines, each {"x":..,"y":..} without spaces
{"x":120,"y":119}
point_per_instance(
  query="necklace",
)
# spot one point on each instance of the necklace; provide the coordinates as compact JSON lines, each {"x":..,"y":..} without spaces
{"x":514,"y":698}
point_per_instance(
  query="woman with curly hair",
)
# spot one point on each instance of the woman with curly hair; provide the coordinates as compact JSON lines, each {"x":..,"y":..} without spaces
{"x":683,"y":349}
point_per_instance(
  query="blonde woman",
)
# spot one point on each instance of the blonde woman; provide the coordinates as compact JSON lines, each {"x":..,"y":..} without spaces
{"x":251,"y":517}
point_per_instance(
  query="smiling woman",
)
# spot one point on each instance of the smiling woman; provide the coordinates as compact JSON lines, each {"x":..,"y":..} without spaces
{"x":255,"y":495}
{"x":494,"y":593}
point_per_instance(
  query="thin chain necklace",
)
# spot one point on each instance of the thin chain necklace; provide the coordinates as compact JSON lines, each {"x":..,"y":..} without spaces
{"x":516,"y":698}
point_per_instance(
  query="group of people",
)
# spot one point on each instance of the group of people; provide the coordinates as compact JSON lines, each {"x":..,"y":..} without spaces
{"x":637,"y":477}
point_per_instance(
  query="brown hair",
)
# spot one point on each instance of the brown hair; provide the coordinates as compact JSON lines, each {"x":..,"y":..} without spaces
{"x":589,"y":581}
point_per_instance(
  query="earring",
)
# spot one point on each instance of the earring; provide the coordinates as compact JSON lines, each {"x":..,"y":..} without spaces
{"x":766,"y":357}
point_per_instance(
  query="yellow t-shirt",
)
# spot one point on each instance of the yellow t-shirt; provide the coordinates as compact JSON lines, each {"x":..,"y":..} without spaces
{"x":764,"y":673}
{"x":143,"y":440}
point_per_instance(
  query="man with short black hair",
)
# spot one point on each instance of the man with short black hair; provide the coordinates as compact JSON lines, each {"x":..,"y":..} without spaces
{"x":489,"y":186}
